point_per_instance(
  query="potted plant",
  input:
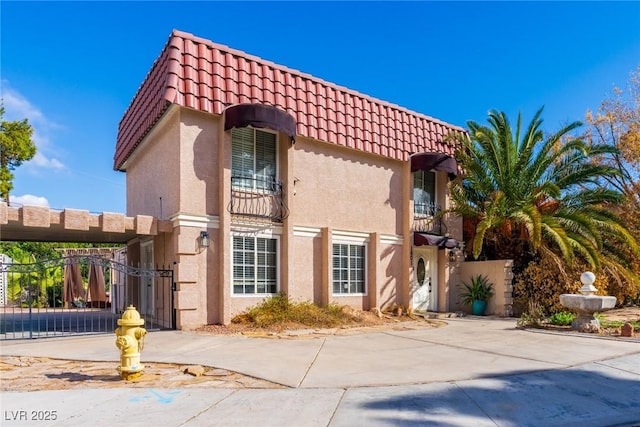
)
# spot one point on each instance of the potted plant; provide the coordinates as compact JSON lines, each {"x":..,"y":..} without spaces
{"x":476,"y":292}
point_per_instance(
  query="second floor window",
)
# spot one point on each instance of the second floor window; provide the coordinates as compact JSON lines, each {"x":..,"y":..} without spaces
{"x":253,"y":158}
{"x":424,"y":193}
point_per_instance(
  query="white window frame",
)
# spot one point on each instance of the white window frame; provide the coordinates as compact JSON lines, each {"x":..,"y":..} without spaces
{"x":365,"y":270}
{"x":255,"y":237}
{"x":413,"y":190}
{"x":254,"y":175}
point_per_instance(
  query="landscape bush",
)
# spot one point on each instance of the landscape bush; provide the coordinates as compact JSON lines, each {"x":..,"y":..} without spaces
{"x":544,"y":279}
{"x":563,"y":318}
{"x":542,"y":282}
{"x":278,"y":310}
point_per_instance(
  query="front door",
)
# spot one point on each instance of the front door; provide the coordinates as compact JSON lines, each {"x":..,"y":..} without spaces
{"x":424,"y":289}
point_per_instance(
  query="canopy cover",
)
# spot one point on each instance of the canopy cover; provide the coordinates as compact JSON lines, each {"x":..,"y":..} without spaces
{"x":260,"y":116}
{"x":434,"y":161}
{"x":442,"y":242}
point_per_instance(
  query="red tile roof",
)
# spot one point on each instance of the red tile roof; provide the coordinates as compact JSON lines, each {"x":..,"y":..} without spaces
{"x":199,"y":74}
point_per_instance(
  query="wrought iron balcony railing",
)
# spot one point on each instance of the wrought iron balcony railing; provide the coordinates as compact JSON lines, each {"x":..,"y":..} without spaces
{"x":427,"y":219}
{"x":258,"y":197}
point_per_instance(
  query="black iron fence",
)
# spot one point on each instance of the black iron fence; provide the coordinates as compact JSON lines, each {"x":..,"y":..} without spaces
{"x":427,"y":218}
{"x":258,"y":197}
{"x":80,"y":294}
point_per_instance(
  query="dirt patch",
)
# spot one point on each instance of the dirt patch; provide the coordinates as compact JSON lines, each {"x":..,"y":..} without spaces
{"x":626,"y":314}
{"x":39,"y":373}
{"x":621,"y":316}
{"x":365,"y":322}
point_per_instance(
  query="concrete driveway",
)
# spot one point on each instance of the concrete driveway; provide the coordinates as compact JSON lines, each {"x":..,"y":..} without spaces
{"x":472,"y":372}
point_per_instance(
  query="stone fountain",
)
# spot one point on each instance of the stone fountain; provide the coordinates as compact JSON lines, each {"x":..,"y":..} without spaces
{"x":587,"y":304}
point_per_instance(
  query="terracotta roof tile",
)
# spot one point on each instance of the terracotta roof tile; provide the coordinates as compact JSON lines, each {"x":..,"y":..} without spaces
{"x":205,"y":76}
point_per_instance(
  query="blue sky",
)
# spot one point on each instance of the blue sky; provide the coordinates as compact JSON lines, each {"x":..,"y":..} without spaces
{"x":73,"y":67}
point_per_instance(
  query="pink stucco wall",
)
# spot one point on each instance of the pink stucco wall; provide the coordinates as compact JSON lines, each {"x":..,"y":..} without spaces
{"x":345,"y":189}
{"x":198,"y":163}
{"x":152,"y":172}
{"x":389,"y":282}
{"x":307,"y":269}
{"x":177,"y":162}
{"x":209,"y":277}
{"x":186,"y":161}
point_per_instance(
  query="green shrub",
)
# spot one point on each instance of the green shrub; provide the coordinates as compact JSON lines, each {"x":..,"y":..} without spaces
{"x":478,"y":288}
{"x":563,"y":318}
{"x":54,"y":295}
{"x":618,"y":324}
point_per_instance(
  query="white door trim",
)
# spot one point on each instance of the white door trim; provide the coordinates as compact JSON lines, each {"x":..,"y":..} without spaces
{"x":424,"y":295}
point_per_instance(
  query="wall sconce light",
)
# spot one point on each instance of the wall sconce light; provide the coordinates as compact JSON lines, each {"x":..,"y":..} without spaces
{"x":453,"y":255}
{"x":205,"y":241}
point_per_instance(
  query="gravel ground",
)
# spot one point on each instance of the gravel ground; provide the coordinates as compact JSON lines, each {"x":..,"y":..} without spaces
{"x":37,"y":373}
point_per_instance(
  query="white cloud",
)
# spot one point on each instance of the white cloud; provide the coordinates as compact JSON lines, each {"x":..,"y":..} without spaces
{"x":18,"y":107}
{"x":41,"y":161}
{"x":30,"y":199}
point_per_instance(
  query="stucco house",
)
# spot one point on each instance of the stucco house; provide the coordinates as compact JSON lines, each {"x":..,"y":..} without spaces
{"x":272,"y":180}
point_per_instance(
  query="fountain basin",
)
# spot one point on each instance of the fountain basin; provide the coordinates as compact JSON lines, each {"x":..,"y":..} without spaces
{"x":586,"y":306}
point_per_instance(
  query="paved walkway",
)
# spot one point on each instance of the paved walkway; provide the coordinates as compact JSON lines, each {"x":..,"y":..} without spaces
{"x":472,"y":372}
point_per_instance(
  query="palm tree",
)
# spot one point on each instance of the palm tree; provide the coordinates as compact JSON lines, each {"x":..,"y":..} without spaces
{"x":526,"y":192}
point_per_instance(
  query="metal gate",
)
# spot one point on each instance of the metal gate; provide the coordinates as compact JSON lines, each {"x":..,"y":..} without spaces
{"x":62,"y":297}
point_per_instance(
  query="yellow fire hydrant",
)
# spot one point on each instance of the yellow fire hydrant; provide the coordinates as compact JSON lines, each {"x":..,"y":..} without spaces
{"x":130,"y":341}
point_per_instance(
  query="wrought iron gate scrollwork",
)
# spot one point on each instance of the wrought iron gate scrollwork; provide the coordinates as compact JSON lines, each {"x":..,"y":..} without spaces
{"x":37,"y":300}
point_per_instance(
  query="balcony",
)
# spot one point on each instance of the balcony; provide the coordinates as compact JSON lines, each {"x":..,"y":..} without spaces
{"x":427,"y":219}
{"x":258,"y":197}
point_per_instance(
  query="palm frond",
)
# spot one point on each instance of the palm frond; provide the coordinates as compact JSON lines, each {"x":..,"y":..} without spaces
{"x":549,"y":186}
{"x":557,"y":236}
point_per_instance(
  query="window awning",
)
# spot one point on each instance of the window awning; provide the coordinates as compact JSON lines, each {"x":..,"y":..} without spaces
{"x":260,"y":116}
{"x":434,"y":161}
{"x":442,"y":242}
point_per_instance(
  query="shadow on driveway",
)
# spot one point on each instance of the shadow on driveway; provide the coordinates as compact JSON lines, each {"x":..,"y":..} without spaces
{"x":592,"y":395}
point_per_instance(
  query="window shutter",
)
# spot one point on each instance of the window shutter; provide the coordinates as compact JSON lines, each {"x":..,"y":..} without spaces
{"x":242,"y":156}
{"x":265,"y":159}
{"x":424,"y":192}
{"x":417,"y":180}
{"x":429,"y":186}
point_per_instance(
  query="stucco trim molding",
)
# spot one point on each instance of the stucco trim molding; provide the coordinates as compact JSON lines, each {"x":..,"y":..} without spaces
{"x":302,"y":231}
{"x":240,"y":227}
{"x":190,"y":220}
{"x":391,"y":239}
{"x":344,"y":235}
{"x":350,"y":236}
